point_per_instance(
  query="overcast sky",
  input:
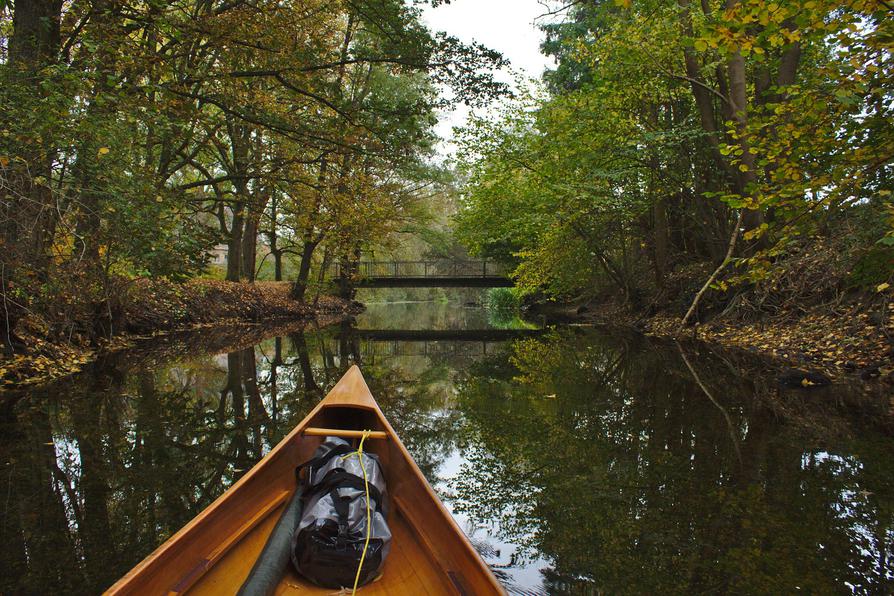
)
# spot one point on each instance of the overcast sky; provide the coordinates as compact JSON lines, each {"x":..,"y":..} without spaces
{"x":507,"y":26}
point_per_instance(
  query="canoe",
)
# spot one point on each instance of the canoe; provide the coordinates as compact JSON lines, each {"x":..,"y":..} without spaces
{"x":215,"y":551}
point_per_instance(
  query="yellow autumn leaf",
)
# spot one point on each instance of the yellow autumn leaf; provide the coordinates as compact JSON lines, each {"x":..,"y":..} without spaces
{"x":102,"y":151}
{"x":882,"y":287}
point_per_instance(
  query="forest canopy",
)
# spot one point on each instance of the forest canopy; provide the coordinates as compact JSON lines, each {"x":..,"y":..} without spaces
{"x":137,"y":135}
{"x":678,"y":143}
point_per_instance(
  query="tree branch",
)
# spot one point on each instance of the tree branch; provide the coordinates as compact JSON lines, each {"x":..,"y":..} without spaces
{"x":729,"y":256}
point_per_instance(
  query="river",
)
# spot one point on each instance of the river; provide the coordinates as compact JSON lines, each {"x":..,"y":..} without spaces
{"x":577,"y":460}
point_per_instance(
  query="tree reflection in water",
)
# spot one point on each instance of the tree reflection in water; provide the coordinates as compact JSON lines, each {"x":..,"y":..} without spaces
{"x":586,"y":462}
{"x":101,"y":468}
{"x":605,"y":457}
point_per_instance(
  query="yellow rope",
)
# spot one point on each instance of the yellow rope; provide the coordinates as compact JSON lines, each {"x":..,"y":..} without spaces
{"x":359,"y":454}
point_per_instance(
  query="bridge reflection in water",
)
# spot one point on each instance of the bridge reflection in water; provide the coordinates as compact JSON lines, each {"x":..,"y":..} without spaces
{"x":369,"y":345}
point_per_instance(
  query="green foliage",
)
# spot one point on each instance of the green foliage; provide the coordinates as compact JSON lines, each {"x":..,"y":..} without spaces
{"x":502,"y":300}
{"x":888,"y":238}
{"x":504,"y":309}
{"x":873,"y":267}
{"x":133,"y":139}
{"x":214,"y":272}
{"x":664,"y":121}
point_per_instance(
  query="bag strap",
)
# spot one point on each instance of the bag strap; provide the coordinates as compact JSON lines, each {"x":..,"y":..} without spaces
{"x":337,"y":479}
{"x":320,"y":461}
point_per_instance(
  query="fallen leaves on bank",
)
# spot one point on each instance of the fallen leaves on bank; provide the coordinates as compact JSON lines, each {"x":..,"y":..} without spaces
{"x":156,"y":305}
{"x":854,"y":343}
{"x":152,"y":307}
{"x":31,"y":369}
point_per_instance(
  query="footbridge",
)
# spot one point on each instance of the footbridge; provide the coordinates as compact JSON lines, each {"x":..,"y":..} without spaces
{"x":443,"y":273}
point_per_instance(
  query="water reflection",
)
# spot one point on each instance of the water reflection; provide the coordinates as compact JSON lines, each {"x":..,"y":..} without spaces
{"x":103,"y":467}
{"x":578,"y":461}
{"x":605,"y":456}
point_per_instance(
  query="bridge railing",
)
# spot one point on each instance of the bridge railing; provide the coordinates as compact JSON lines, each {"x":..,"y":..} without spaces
{"x":425,"y":269}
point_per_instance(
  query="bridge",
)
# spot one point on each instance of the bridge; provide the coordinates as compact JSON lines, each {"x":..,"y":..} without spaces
{"x":441,"y":273}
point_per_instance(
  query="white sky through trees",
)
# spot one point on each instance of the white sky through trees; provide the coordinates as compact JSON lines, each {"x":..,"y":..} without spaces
{"x":508,"y":26}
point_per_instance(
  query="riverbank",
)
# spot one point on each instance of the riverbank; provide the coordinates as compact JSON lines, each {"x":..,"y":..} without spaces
{"x":154,"y":307}
{"x":852,"y":341}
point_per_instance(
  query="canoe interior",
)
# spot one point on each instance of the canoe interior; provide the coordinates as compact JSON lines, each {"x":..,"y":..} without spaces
{"x":407,"y":568}
{"x":215,"y":551}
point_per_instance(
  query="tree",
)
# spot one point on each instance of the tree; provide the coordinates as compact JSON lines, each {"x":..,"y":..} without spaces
{"x":133,"y":130}
{"x":673,"y":133}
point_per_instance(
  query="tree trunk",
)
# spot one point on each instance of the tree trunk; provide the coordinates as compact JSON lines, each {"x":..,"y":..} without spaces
{"x":26,"y":208}
{"x":35,"y":515}
{"x":86,"y":246}
{"x":729,"y":255}
{"x":739,"y":99}
{"x":659,"y":208}
{"x":702,"y":94}
{"x":101,"y":109}
{"x":240,"y":137}
{"x":93,"y":484}
{"x":257,"y":413}
{"x":234,"y":245}
{"x":660,"y":239}
{"x":300,"y":286}
{"x":274,"y":378}
{"x":788,"y":65}
{"x":299,"y":346}
{"x":277,"y":264}
{"x":348,"y":271}
{"x":250,"y":247}
{"x":273,"y":239}
{"x":36,"y":35}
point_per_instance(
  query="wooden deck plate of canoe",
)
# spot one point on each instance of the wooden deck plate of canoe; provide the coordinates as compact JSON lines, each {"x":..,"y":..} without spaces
{"x":214,"y":552}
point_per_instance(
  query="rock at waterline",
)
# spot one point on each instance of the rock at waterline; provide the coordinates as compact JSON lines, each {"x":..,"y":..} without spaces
{"x":802,"y":379}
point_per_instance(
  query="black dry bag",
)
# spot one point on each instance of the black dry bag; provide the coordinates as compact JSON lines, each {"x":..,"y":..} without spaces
{"x":328,"y":543}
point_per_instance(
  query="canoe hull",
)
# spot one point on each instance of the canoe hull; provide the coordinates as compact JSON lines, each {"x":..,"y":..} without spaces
{"x":215,"y":551}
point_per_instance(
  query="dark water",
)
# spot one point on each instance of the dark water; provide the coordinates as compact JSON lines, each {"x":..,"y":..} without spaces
{"x":578,"y":461}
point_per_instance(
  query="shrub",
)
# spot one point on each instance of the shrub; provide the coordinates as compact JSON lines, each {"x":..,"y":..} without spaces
{"x":503,"y":300}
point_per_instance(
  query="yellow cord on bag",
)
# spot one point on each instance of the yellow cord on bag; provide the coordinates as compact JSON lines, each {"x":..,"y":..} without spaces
{"x":359,"y":454}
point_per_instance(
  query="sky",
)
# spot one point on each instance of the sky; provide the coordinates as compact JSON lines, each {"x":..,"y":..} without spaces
{"x":507,"y":26}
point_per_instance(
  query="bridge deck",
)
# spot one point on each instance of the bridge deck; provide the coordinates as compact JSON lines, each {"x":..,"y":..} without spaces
{"x":427,"y":274}
{"x":434,"y":282}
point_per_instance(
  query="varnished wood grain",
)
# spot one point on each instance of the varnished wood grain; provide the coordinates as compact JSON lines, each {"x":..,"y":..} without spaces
{"x":344,"y":434}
